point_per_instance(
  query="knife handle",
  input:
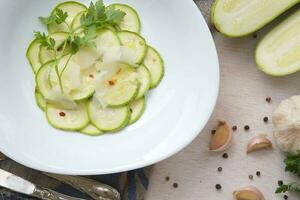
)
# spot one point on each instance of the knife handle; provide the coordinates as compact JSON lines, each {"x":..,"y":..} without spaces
{"x":94,"y":189}
{"x":47,"y":194}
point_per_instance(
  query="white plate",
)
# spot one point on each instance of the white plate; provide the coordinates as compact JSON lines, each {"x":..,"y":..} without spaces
{"x":176,"y":112}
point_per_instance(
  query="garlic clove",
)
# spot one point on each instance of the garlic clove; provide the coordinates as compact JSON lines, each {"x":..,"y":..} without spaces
{"x":221,"y":139}
{"x":248,"y":193}
{"x":258,"y":142}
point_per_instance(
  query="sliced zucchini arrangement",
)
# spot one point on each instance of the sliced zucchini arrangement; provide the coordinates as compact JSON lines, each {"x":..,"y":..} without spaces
{"x":93,"y":69}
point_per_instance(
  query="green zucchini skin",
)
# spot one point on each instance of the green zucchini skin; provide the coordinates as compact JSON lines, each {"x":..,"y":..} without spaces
{"x":216,"y":21}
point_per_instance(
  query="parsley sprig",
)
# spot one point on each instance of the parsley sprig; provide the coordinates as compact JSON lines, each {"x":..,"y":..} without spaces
{"x":96,"y":16}
{"x":291,"y":187}
{"x":292,"y":164}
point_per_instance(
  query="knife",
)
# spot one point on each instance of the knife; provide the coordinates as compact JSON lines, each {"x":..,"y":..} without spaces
{"x":94,"y":189}
{"x":20,"y":185}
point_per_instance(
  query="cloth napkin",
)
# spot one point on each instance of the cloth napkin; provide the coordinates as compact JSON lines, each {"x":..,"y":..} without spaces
{"x":132,"y":185}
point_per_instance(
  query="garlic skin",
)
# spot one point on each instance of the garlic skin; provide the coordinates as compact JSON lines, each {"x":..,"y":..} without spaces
{"x":258,"y":143}
{"x":221,"y":140}
{"x":248,"y":193}
{"x":286,"y":121}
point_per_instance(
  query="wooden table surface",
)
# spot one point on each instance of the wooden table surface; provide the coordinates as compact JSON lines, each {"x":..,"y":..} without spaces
{"x":243,"y":90}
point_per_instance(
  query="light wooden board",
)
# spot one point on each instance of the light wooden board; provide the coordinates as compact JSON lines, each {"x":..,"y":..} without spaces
{"x":243,"y":90}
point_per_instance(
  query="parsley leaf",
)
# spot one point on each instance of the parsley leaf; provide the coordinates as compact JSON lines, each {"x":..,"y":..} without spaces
{"x":99,"y":15}
{"x":44,"y":40}
{"x":292,"y":187}
{"x":58,"y":16}
{"x":85,"y":41}
{"x":292,"y":164}
{"x":114,"y":16}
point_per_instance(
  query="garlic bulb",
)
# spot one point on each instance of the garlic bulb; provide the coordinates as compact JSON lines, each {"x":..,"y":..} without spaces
{"x":286,"y":120}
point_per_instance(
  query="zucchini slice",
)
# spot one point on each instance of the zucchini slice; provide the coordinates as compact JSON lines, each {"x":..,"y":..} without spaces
{"x":278,"y":53}
{"x":32,"y":55}
{"x":108,"y":119}
{"x":236,"y":18}
{"x":106,"y":39}
{"x":145,"y":81}
{"x":78,"y":83}
{"x":155,"y":65}
{"x":136,"y":43}
{"x":91,"y":130}
{"x":68,"y":119}
{"x":136,"y":109}
{"x":72,"y":8}
{"x":118,"y":86}
{"x":76,"y":22}
{"x":41,"y":101}
{"x":131,"y":21}
{"x":45,"y":55}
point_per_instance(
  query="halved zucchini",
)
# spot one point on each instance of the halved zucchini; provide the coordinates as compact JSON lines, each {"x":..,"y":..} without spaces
{"x":118,"y":85}
{"x":278,"y":53}
{"x":131,"y":21}
{"x":32,"y":55}
{"x":135,"y":42}
{"x":91,"y":130}
{"x":136,"y":109}
{"x":155,"y":65}
{"x":68,"y":119}
{"x":236,"y":18}
{"x":108,"y":119}
{"x":46,"y":55}
{"x":41,"y":101}
{"x":144,"y":79}
{"x":72,"y":8}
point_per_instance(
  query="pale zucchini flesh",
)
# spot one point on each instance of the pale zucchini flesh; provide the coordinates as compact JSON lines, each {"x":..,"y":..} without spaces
{"x":136,"y":109}
{"x":108,"y":119}
{"x":278,"y":53}
{"x":91,"y":130}
{"x":68,"y":119}
{"x":32,"y":55}
{"x":136,"y":43}
{"x":106,"y":39}
{"x":118,"y":86}
{"x":131,"y":21}
{"x":72,"y":8}
{"x":154,"y":63}
{"x":145,"y":81}
{"x":236,"y":18}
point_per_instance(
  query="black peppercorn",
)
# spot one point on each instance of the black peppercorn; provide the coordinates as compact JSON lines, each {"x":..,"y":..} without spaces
{"x":225,"y":155}
{"x":268,"y":99}
{"x":247,"y":127}
{"x":266,"y":119}
{"x":218,"y":187}
{"x":234,"y":128}
{"x":285,"y":196}
{"x":250,"y":177}
{"x":175,"y":185}
{"x":220,"y":169}
{"x":280,"y":182}
{"x":258,"y":173}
